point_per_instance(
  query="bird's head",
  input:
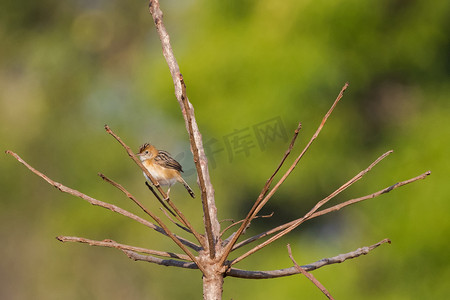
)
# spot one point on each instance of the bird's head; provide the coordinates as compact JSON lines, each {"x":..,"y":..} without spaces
{"x":147,"y":151}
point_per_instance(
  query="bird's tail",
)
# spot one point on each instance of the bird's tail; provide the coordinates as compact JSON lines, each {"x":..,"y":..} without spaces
{"x":188,"y":188}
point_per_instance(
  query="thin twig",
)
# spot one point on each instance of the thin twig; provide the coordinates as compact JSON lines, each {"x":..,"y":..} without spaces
{"x":250,"y":215}
{"x":93,"y":201}
{"x":356,"y":200}
{"x":269,"y":181}
{"x":346,"y":185}
{"x":313,"y":138}
{"x":159,"y":199}
{"x":329,"y":210}
{"x":172,"y":205}
{"x":294,"y":224}
{"x":310,"y":267}
{"x":254,"y":211}
{"x":286,"y":154}
{"x":174,"y":222}
{"x":239,"y":222}
{"x":113,"y":244}
{"x":227,"y":220}
{"x":130,"y":196}
{"x":309,"y":275}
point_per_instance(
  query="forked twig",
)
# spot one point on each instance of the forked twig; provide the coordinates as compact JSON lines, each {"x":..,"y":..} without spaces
{"x":309,"y":275}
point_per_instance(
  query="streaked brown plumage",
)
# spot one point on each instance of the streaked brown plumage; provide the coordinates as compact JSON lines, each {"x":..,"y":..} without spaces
{"x":163,"y":168}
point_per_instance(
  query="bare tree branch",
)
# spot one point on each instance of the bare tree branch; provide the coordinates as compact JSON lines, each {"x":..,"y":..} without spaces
{"x":211,"y":222}
{"x":310,"y":267}
{"x":356,"y":200}
{"x":239,"y":273}
{"x":113,"y":244}
{"x":138,"y":203}
{"x":114,"y":208}
{"x":288,"y":227}
{"x":322,"y":202}
{"x":258,"y":207}
{"x":152,"y":215}
{"x":269,"y":181}
{"x":250,"y":216}
{"x":309,"y":275}
{"x":313,"y":138}
{"x":128,"y":194}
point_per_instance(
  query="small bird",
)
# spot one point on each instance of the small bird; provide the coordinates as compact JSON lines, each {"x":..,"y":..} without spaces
{"x":163,"y":168}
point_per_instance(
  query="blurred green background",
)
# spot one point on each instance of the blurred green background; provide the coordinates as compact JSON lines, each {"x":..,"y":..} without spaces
{"x":69,"y":67}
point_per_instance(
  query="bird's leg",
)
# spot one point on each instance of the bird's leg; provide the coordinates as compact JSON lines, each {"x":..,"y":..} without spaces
{"x":168,"y":192}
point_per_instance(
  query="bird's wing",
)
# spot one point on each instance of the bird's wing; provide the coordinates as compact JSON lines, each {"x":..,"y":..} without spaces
{"x":165,"y":160}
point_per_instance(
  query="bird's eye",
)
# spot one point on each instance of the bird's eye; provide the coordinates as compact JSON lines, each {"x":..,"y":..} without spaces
{"x":146,"y":151}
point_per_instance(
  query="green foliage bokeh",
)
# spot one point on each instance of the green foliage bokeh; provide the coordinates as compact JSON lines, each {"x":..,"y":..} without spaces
{"x":69,"y":67}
